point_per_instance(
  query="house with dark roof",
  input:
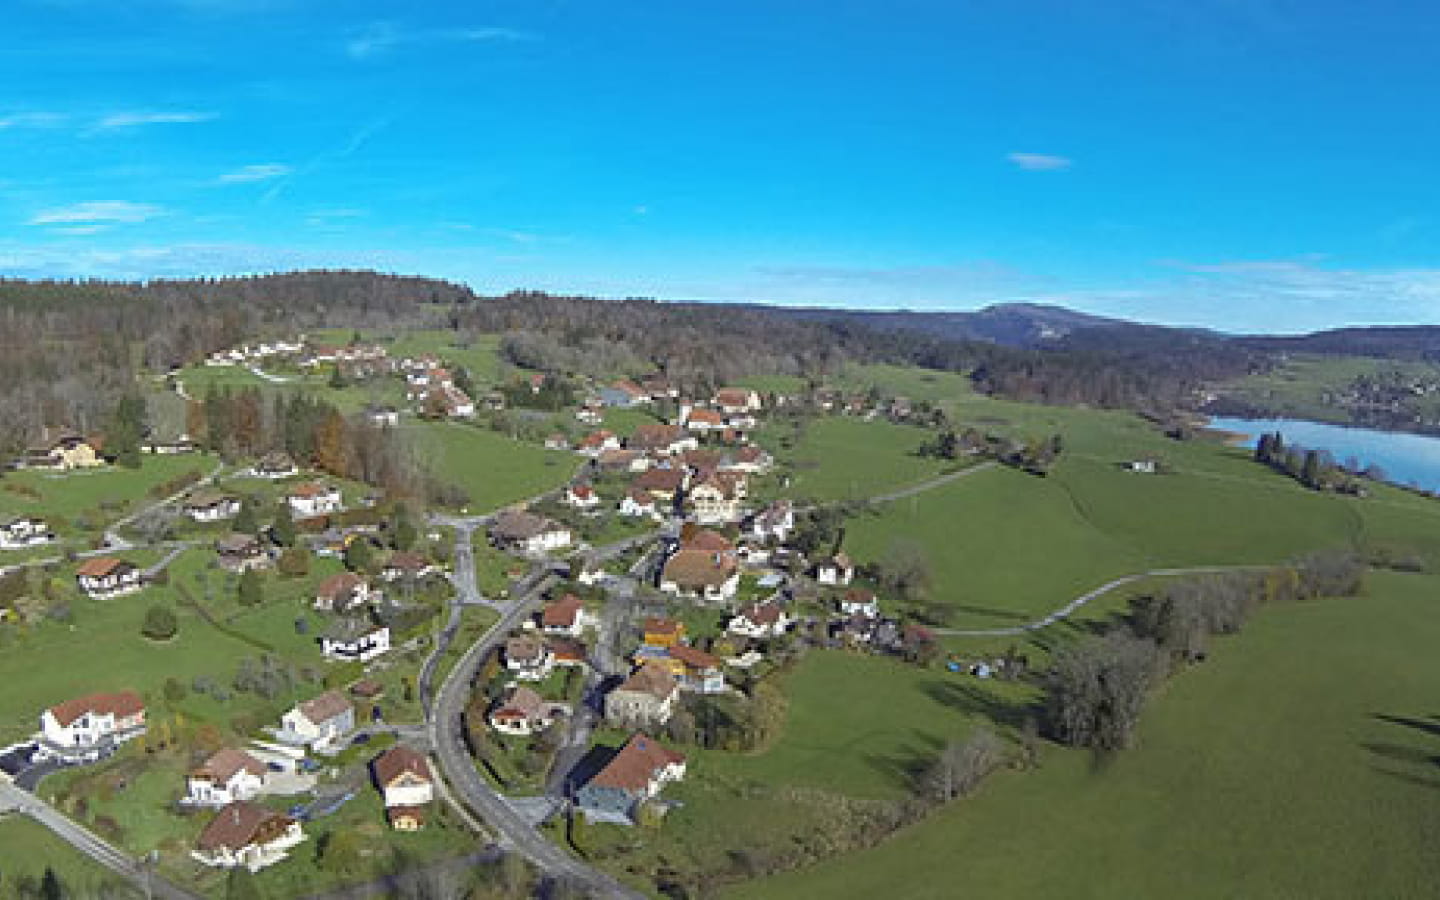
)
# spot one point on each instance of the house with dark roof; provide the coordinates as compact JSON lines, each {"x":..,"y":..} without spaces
{"x":247,"y":834}
{"x":25,"y":531}
{"x":702,"y":574}
{"x":402,"y":776}
{"x":759,"y":620}
{"x":645,"y":700}
{"x":635,"y":774}
{"x":212,"y":506}
{"x":404,"y":566}
{"x":238,"y":552}
{"x":567,"y":616}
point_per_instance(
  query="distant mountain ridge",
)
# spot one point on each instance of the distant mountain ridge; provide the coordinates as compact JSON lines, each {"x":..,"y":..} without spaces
{"x":1027,"y":325}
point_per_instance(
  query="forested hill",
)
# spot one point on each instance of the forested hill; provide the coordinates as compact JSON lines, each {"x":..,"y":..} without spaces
{"x":1027,"y":325}
{"x":1417,"y":342}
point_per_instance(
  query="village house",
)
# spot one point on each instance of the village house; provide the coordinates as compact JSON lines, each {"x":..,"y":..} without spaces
{"x":249,"y":835}
{"x":658,"y":439}
{"x":319,"y":722}
{"x":751,"y":460}
{"x":227,"y":776}
{"x":637,"y":773}
{"x":622,"y":461}
{"x":772,"y":524}
{"x":624,"y":395}
{"x":760,"y":620}
{"x":342,"y":593}
{"x":447,"y":401}
{"x":355,"y":639}
{"x":557,"y":441}
{"x":521,"y":712}
{"x":274,"y":466}
{"x":568,"y":653}
{"x":638,"y":503}
{"x":567,"y":616}
{"x":25,"y":531}
{"x":104,"y":577}
{"x":703,"y":421}
{"x":581,"y":496}
{"x":528,"y":658}
{"x":238,"y":552}
{"x":404,"y":566}
{"x":309,"y":500}
{"x":402,"y":776}
{"x":709,"y":576}
{"x":87,"y":728}
{"x":382,"y":416}
{"x":167,"y":446}
{"x":597,"y":442}
{"x":716,"y":498}
{"x":659,"y":631}
{"x":645,"y":700}
{"x":590,"y":415}
{"x":664,"y":484}
{"x":737,"y":401}
{"x":835,"y":570}
{"x":62,"y":451}
{"x":700,"y":672}
{"x":859,"y":602}
{"x":856,"y":630}
{"x":523,"y":532}
{"x":212,"y":506}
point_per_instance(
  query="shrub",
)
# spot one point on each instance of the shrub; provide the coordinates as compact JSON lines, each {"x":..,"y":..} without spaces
{"x":160,"y":623}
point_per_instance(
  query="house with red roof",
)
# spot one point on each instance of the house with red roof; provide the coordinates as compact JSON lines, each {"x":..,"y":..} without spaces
{"x":103,"y":577}
{"x":581,"y":496}
{"x":759,"y":620}
{"x":247,"y":834}
{"x":228,"y":775}
{"x":567,"y":616}
{"x":87,"y":728}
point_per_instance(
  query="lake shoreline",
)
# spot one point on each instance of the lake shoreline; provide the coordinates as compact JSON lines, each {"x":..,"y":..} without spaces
{"x":1405,"y":459}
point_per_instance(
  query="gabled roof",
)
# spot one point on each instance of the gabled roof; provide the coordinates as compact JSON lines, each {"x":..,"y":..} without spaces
{"x":521,"y":525}
{"x":311,"y":489}
{"x":699,"y":568}
{"x":561,"y":613}
{"x":397,"y":761}
{"x":406,"y":561}
{"x":693,"y":657}
{"x":706,"y":417}
{"x":520,"y":702}
{"x":636,"y":764}
{"x":338,"y":585}
{"x":525,"y":648}
{"x":226,"y":763}
{"x":325,"y":707}
{"x":651,"y":678}
{"x":707,"y":540}
{"x":122,"y":705}
{"x":662,"y":480}
{"x":100,"y":567}
{"x":239,"y":825}
{"x":762,"y":613}
{"x":660,"y":625}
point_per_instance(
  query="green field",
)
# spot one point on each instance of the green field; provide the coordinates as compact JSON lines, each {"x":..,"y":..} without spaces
{"x":29,"y":849}
{"x":1296,"y":762}
{"x":1299,"y":387}
{"x":943,"y":389}
{"x":841,"y":458}
{"x":493,"y":469}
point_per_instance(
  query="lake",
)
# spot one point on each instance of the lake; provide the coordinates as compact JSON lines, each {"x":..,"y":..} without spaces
{"x":1405,"y":458}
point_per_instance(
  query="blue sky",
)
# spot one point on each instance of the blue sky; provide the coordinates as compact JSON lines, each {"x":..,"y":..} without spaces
{"x":1241,"y":164}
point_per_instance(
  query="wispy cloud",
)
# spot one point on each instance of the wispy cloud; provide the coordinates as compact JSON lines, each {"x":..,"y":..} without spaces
{"x":252,"y":174}
{"x":1040,"y":162}
{"x":379,"y":38}
{"x":136,"y":119}
{"x":357,"y":139}
{"x":32,"y":120}
{"x":102,"y":213}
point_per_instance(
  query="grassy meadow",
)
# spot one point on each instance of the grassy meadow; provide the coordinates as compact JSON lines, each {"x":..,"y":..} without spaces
{"x":841,"y":458}
{"x":493,"y":469}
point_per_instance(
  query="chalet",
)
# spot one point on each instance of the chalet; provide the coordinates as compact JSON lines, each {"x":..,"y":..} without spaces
{"x":773,"y":523}
{"x":87,"y":728}
{"x":751,"y":460}
{"x":403,"y":566}
{"x":760,"y":620}
{"x":597,"y":442}
{"x":310,"y":500}
{"x":716,"y":498}
{"x":103,"y":577}
{"x":698,"y":573}
{"x":342,"y":593}
{"x":859,"y":602}
{"x":637,"y":773}
{"x":62,"y":451}
{"x":662,"y":632}
{"x":212,"y":506}
{"x":700,"y":672}
{"x":403,"y":777}
{"x":382,"y":416}
{"x":25,"y":531}
{"x":661,"y":440}
{"x":645,"y":700}
{"x":274,"y":466}
{"x":662,"y":484}
{"x":528,"y":658}
{"x":238,"y":552}
{"x":227,"y":776}
{"x":319,"y":722}
{"x":622,"y":461}
{"x":639,"y":503}
{"x":521,"y":712}
{"x":355,"y":639}
{"x":581,"y":496}
{"x":447,"y":401}
{"x":836,"y":570}
{"x":624,"y":394}
{"x":567,"y":616}
{"x":704,"y":421}
{"x":249,"y":835}
{"x":519,"y":531}
{"x":737,"y":401}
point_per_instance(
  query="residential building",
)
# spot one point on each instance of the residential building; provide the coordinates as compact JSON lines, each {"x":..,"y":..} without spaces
{"x":103,"y":577}
{"x":212,"y":506}
{"x":624,"y":394}
{"x":519,"y":531}
{"x":355,"y":639}
{"x":760,"y":620}
{"x":62,"y":451}
{"x":859,"y":602}
{"x":227,"y":776}
{"x":704,"y":421}
{"x":382,"y":416}
{"x":597,"y":442}
{"x":403,"y":777}
{"x":247,"y":834}
{"x":645,"y":700}
{"x":700,"y":672}
{"x":521,"y":712}
{"x":405,"y":566}
{"x":715,"y":499}
{"x":275,"y":466}
{"x":528,"y":658}
{"x":581,"y":496}
{"x":661,"y":440}
{"x":25,"y":531}
{"x":773,"y":523}
{"x":342,"y":593}
{"x":638,"y":504}
{"x":737,"y":401}
{"x":567,"y":616}
{"x":309,"y":500}
{"x":238,"y":552}
{"x":637,"y":773}
{"x":709,"y":576}
{"x":835,"y":570}
{"x":90,"y":727}
{"x":320,"y":721}
{"x":664,"y":484}
{"x":658,"y":631}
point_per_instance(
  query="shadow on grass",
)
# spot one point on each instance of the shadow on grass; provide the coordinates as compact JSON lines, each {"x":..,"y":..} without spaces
{"x":1411,"y":757}
{"x":906,"y":768}
{"x":1007,"y":614}
{"x":974,"y":701}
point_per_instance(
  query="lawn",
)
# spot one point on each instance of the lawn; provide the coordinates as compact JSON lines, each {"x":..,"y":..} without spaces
{"x":1296,"y":762}
{"x":30,"y":849}
{"x":494,"y":470}
{"x":943,"y":389}
{"x":840,"y":458}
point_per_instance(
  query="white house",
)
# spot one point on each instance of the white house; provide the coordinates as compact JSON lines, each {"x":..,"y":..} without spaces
{"x":760,"y":620}
{"x":521,"y":712}
{"x":638,"y":504}
{"x":103,"y":577}
{"x":403,"y":777}
{"x":87,"y":728}
{"x":274,"y":466}
{"x":320,"y":721}
{"x":224,"y":778}
{"x":835,"y":570}
{"x":528,"y":658}
{"x":567,"y":616}
{"x":597,"y":442}
{"x":716,"y":499}
{"x":860,"y":602}
{"x":383,"y":416}
{"x":581,"y":496}
{"x":211,"y":506}
{"x":249,"y":835}
{"x":310,"y":500}
{"x":355,"y":639}
{"x":773,"y":523}
{"x":25,"y":531}
{"x":528,"y":534}
{"x":343,"y":592}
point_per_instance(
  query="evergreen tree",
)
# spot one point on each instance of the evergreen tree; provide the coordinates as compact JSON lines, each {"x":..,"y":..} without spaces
{"x":337,"y":378}
{"x":245,"y":521}
{"x":51,"y":887}
{"x":282,"y":530}
{"x":403,"y":534}
{"x":126,"y":428}
{"x":358,"y":555}
{"x":1265,"y":448}
{"x":251,"y":592}
{"x":1310,"y":473}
